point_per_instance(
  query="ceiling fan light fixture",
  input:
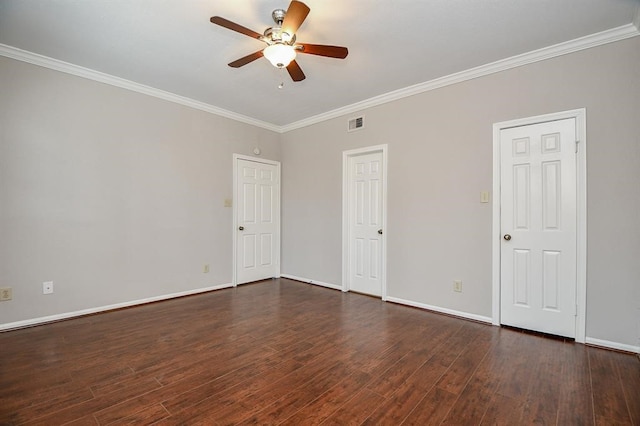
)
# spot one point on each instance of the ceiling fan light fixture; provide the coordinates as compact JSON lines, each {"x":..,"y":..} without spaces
{"x":280,"y":55}
{"x":281,"y":43}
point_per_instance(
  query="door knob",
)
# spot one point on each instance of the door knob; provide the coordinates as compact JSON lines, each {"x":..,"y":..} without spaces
{"x":507,"y":237}
{"x":241,"y":228}
{"x":380,"y":231}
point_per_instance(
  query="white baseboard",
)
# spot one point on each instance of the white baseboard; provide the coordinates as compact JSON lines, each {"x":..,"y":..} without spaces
{"x":309,"y":281}
{"x":612,"y":345}
{"x":447,"y":311}
{"x":68,"y":315}
{"x":589,"y":340}
{"x":399,"y":301}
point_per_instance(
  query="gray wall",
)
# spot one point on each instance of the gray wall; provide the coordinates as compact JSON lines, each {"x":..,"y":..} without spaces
{"x":114,"y":195}
{"x":440,"y":159}
{"x":117,"y":196}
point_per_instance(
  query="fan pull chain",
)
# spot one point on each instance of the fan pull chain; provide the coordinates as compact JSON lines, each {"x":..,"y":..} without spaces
{"x":281,"y":85}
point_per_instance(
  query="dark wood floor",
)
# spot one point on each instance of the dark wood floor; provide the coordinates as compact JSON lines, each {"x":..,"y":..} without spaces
{"x":283,"y":352}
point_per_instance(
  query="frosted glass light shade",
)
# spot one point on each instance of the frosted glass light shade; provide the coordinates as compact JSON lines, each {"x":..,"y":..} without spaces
{"x":280,"y":55}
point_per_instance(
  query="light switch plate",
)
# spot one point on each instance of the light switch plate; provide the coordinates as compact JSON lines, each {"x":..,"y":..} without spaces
{"x":484,"y":197}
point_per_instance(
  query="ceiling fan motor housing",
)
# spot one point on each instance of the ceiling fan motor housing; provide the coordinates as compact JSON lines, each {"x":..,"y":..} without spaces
{"x":275,"y":35}
{"x":278,"y":15}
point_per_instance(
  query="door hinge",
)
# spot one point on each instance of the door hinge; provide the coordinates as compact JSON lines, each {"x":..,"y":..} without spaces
{"x":575,"y":313}
{"x":577,"y":143}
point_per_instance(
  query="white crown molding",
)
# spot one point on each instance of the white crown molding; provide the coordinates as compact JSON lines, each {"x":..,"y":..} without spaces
{"x":54,"y":64}
{"x":582,"y":43}
{"x":587,"y":42}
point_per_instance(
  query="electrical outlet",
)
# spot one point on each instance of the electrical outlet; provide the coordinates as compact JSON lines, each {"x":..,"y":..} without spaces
{"x":457,"y":286}
{"x":205,"y":269}
{"x":47,"y":287}
{"x":6,"y":293}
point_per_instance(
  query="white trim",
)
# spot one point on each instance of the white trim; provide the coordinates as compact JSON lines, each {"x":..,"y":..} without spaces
{"x":309,"y":281}
{"x":582,"y":43}
{"x":345,"y":213}
{"x":67,"y":315}
{"x":236,"y":157}
{"x":612,"y":345}
{"x":581,"y":235}
{"x":571,"y":46}
{"x":495,"y":231}
{"x":447,"y":311}
{"x":580,"y":116}
{"x":65,"y":67}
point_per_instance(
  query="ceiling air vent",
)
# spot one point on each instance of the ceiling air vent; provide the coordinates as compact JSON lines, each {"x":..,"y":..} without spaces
{"x":356,"y":124}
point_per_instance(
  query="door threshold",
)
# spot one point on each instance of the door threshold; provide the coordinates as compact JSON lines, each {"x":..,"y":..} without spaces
{"x":539,"y":333}
{"x":365,"y":294}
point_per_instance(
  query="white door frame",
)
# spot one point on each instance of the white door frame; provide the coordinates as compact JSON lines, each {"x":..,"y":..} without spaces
{"x":236,"y":157}
{"x":346,"y":200}
{"x":581,"y":201}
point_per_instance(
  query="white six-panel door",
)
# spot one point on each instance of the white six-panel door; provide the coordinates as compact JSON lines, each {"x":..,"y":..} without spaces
{"x":257,"y":220}
{"x":365,"y":223}
{"x":538,"y":227}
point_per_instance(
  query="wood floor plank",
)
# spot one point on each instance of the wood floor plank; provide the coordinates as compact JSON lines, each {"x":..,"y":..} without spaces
{"x":186,"y":391}
{"x":18,"y":401}
{"x":432,"y":409}
{"x":496,"y":367}
{"x":102,"y":388}
{"x":542,"y":400}
{"x":609,"y":404}
{"x":390,"y":379}
{"x":241,"y":400}
{"x":473,"y":352}
{"x":40,"y":408}
{"x":240,"y":379}
{"x":473,"y":401}
{"x":83,"y":421}
{"x":327,"y":403}
{"x":72,"y":412}
{"x":297,"y":398}
{"x":145,"y":416}
{"x":223,"y":362}
{"x":629,"y":368}
{"x":403,"y":401}
{"x":503,"y":411}
{"x":356,"y":410}
{"x":575,"y":406}
{"x":242,"y":406}
{"x":284,"y":352}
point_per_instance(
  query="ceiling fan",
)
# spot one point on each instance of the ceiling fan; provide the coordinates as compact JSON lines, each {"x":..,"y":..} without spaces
{"x":281,"y":43}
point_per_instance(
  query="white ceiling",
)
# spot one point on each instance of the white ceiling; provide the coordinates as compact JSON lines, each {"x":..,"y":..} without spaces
{"x":171,"y":45}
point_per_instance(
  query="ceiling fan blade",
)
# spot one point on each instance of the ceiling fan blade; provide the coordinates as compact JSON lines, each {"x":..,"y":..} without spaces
{"x":295,"y":71}
{"x":247,"y":59}
{"x":324,"y":50}
{"x":295,"y":16}
{"x":235,"y":27}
